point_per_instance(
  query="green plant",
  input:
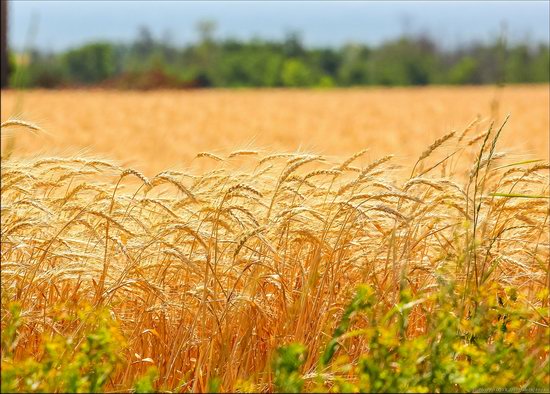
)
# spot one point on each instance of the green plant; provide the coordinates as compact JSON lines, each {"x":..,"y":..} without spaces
{"x":76,"y":363}
{"x":286,"y":366}
{"x":482,"y":349}
{"x":145,"y":384}
{"x":296,"y":73}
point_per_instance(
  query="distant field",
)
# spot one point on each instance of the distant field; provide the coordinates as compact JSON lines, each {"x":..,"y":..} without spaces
{"x":156,"y":130}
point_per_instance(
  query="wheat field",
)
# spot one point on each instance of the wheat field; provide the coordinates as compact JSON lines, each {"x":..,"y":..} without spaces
{"x":154,"y":131}
{"x":210,"y":258}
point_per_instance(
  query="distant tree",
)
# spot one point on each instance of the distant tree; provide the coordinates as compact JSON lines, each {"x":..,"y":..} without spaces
{"x":144,"y":44}
{"x":206,"y":29}
{"x":354,"y":65}
{"x":91,"y":63}
{"x":326,"y":81}
{"x":295,"y":74}
{"x":464,"y":72}
{"x":292,"y":45}
{"x":540,"y":66}
{"x":247,"y":66}
{"x":515,"y":68}
{"x":405,"y":62}
{"x":204,"y":53}
{"x":328,"y":60}
{"x":148,"y":62}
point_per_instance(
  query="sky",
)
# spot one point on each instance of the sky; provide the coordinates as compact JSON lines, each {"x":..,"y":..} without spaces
{"x":58,"y":25}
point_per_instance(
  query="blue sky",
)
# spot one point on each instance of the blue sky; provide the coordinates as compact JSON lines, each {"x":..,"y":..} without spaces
{"x":62,"y":24}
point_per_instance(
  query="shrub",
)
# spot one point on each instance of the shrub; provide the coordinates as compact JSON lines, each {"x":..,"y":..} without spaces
{"x":472,"y":342}
{"x":82,"y":361}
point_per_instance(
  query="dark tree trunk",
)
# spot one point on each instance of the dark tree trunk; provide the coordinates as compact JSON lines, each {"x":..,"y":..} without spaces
{"x":4,"y":45}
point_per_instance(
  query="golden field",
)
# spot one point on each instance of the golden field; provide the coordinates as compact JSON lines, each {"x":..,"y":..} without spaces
{"x":154,"y":131}
{"x":215,"y":229}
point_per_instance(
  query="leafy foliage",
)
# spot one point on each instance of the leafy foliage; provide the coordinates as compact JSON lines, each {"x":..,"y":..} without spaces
{"x":90,"y":63}
{"x":467,"y":346}
{"x":286,"y":367}
{"x":258,"y":63}
{"x":76,"y":363}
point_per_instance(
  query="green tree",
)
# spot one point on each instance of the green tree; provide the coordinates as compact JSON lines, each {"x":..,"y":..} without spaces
{"x":292,"y":45}
{"x":405,"y":62}
{"x":248,"y":67}
{"x":540,"y":66}
{"x":464,"y":72}
{"x":205,"y":53}
{"x":354,"y":66}
{"x":517,"y":65}
{"x":258,"y":63}
{"x":295,"y":73}
{"x":91,"y":63}
{"x":145,"y":44}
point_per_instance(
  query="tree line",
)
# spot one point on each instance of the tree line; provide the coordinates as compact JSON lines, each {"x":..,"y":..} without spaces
{"x":149,"y":62}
